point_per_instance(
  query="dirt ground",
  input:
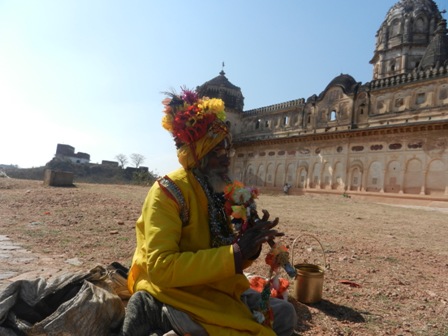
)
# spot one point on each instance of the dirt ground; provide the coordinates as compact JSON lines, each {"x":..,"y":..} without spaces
{"x":386,"y":264}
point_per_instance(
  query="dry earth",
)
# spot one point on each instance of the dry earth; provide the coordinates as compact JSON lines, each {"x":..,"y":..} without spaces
{"x":394,"y":257}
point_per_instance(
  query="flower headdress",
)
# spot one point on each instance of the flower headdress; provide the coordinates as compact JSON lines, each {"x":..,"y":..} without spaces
{"x":196,"y":124}
{"x":189,"y":117}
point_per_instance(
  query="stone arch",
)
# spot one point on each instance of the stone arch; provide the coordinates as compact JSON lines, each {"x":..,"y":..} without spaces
{"x":392,"y":181}
{"x":375,"y":177}
{"x":279,"y":175}
{"x":316,"y":175}
{"x":250,"y":176}
{"x":238,"y":173}
{"x":290,"y":174}
{"x":420,"y":24}
{"x":435,"y":178}
{"x":259,"y":181}
{"x":327,"y":177}
{"x":361,"y":107}
{"x":355,"y":176}
{"x":413,"y":179}
{"x":333,"y":115}
{"x":270,"y":175}
{"x":302,"y":175}
{"x":394,"y":27}
{"x":338,"y":177}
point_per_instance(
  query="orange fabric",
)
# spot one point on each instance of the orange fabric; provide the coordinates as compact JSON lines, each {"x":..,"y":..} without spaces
{"x":190,"y":155}
{"x":257,"y":283}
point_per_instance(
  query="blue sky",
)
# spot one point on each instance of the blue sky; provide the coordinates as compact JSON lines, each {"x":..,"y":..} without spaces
{"x":90,"y":73}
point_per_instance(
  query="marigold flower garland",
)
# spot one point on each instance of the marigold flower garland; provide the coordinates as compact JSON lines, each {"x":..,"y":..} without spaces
{"x":240,"y":205}
{"x":240,"y":201}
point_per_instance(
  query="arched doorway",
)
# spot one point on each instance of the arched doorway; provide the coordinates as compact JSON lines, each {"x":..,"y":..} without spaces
{"x":375,"y":177}
{"x":413,"y":179}
{"x":260,"y":176}
{"x":355,"y":177}
{"x":250,"y":176}
{"x":338,"y":177}
{"x":435,"y":178}
{"x":270,"y":175}
{"x":392,"y":178}
{"x":279,"y":175}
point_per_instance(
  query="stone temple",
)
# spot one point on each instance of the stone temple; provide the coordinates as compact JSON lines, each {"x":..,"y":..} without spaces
{"x":389,"y":135}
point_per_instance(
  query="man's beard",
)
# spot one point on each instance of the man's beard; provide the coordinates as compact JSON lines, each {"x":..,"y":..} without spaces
{"x":218,"y":179}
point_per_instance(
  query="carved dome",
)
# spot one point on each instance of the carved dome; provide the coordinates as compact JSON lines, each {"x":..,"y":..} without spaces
{"x":403,"y":37}
{"x":346,"y":82}
{"x":436,"y":54}
{"x":220,"y":87}
{"x":413,"y":9}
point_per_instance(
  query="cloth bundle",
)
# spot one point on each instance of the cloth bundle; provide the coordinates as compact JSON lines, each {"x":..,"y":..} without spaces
{"x":71,"y":304}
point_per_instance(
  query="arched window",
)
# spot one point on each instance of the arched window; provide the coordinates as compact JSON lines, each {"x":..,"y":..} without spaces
{"x":392,"y":65}
{"x":333,"y":115}
{"x":395,"y":28}
{"x":419,"y":25}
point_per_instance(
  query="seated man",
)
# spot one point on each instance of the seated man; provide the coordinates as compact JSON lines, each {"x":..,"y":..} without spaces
{"x":187,"y":269}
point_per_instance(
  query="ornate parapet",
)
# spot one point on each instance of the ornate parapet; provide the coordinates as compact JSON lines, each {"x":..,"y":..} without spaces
{"x":409,"y":78}
{"x":276,"y":107}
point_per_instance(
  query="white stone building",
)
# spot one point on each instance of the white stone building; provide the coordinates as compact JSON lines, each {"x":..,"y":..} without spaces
{"x":389,"y":135}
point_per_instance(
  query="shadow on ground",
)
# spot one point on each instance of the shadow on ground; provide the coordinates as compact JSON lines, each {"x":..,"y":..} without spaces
{"x":342,"y":313}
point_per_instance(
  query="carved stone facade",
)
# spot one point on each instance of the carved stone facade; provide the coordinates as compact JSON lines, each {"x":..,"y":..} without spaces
{"x":389,"y":135}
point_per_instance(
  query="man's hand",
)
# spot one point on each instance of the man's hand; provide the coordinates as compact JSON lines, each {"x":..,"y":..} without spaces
{"x":260,"y":232}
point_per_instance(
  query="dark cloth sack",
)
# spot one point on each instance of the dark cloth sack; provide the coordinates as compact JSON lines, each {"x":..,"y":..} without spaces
{"x":71,"y":304}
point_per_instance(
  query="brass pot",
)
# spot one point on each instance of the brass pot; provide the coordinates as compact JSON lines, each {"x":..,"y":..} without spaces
{"x":309,"y":281}
{"x":308,"y":284}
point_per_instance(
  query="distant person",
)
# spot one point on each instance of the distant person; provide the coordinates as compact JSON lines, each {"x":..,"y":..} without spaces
{"x":286,"y":188}
{"x":187,"y":271}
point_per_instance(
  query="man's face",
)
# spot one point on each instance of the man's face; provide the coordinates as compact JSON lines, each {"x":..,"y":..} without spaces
{"x":218,"y":160}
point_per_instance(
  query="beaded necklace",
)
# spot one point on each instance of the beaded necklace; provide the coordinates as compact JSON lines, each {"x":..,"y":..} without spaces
{"x":221,"y":232}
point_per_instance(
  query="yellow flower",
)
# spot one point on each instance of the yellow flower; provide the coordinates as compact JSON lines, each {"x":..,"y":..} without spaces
{"x":213,"y":105}
{"x":167,"y":122}
{"x":216,"y":105}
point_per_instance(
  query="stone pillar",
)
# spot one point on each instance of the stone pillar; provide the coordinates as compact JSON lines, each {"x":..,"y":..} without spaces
{"x":384,"y":181}
{"x":423,"y":188}
{"x":401,"y":181}
{"x":362,"y":183}
{"x":446,"y":183}
{"x":349,"y":180}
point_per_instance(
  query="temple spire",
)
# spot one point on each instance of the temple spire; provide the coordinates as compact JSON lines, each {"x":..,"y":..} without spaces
{"x":222,"y":73}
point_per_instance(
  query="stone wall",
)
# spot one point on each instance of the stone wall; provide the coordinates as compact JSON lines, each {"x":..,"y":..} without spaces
{"x":58,"y":178}
{"x":404,"y":160}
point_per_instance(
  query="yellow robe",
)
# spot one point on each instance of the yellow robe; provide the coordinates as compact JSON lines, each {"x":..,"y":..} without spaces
{"x":176,"y":265}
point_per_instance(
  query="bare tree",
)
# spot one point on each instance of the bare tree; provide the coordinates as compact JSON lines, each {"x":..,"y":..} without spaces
{"x":122,"y":159}
{"x":137,"y":159}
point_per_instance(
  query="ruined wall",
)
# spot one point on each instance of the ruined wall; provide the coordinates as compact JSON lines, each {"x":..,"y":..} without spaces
{"x":58,"y":178}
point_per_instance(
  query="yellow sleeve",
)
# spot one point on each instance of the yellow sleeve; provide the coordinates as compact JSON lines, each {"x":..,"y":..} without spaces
{"x":167,"y":264}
